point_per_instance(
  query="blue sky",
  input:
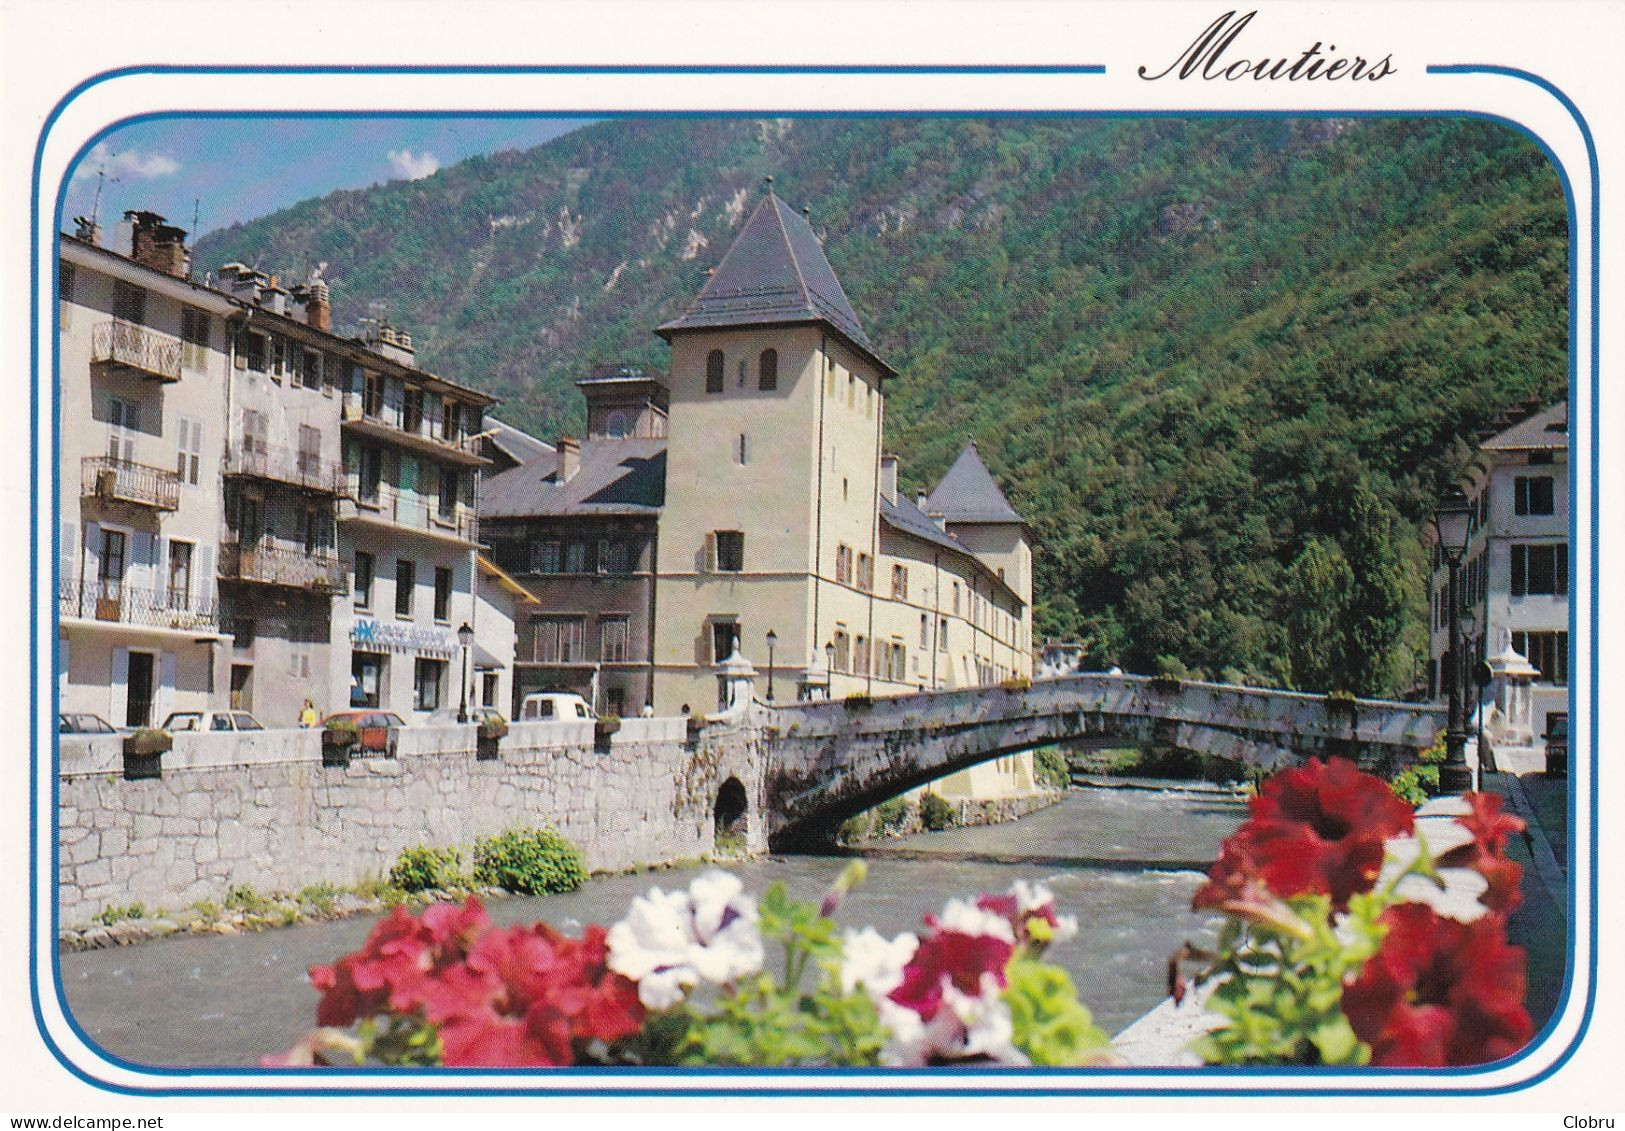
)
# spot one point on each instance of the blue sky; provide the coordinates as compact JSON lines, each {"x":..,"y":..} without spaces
{"x":239,"y":168}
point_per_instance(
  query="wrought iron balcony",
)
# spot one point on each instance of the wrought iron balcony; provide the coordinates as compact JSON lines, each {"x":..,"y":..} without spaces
{"x":302,"y":469}
{"x":269,"y":564}
{"x":119,"y":603}
{"x":414,"y":512}
{"x":131,"y":347}
{"x":463,"y":449}
{"x":138,"y":484}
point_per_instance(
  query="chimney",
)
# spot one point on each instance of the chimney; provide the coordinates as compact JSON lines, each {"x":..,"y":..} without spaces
{"x":888,"y":477}
{"x":919,"y":498}
{"x":86,"y":229}
{"x":940,"y":520}
{"x":158,"y":245}
{"x":318,"y":312}
{"x":569,"y":458}
{"x":241,"y":282}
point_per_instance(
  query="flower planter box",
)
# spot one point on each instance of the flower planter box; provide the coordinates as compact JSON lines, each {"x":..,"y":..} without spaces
{"x":487,"y":748}
{"x":604,"y":730}
{"x":493,"y":729}
{"x":143,"y":754}
{"x":338,"y":746}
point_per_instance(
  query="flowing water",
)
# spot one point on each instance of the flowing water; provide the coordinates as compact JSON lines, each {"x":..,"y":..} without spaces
{"x":1124,"y":861}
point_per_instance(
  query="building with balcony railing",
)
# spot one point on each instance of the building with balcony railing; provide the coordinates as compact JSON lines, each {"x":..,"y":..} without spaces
{"x":287,"y":567}
{"x":118,"y":345}
{"x":134,"y":484}
{"x":303,"y":469}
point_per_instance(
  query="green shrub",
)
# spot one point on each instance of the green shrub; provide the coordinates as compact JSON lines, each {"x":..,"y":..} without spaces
{"x":242,"y":897}
{"x":529,"y":861}
{"x":107,"y":916}
{"x":892,"y":815}
{"x":936,"y":813}
{"x":855,"y":828}
{"x":322,"y":896}
{"x":1420,"y":780}
{"x":421,"y":867}
{"x":1052,"y":766}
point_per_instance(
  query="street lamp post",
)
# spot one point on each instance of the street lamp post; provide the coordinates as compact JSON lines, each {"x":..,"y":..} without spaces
{"x":772,"y":639}
{"x":829,"y":667}
{"x":1452,"y":522}
{"x":465,"y":637}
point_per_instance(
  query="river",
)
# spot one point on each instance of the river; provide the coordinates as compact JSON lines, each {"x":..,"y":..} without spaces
{"x":1124,"y":861}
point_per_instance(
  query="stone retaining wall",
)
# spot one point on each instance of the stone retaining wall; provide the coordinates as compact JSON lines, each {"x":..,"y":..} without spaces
{"x":261,"y":810}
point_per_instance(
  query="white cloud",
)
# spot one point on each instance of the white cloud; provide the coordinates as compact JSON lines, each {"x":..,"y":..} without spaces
{"x":413,"y":166}
{"x":126,"y":164}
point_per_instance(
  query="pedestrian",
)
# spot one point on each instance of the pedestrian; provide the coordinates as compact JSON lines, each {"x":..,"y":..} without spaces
{"x":308,"y":716}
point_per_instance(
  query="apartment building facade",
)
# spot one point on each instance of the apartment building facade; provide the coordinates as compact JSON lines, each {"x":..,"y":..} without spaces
{"x":1515,"y":573}
{"x":243,"y":472}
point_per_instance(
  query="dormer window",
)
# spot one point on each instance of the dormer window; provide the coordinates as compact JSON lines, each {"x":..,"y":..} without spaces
{"x":713,"y":371}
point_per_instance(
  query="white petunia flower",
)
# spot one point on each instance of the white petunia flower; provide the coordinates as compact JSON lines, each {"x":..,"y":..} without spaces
{"x":968,"y":919}
{"x":1037,"y":898}
{"x":672,"y":941}
{"x":1459,"y":897}
{"x":870,"y":961}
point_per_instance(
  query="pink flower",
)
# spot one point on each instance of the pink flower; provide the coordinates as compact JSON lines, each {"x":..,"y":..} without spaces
{"x":950,"y":958}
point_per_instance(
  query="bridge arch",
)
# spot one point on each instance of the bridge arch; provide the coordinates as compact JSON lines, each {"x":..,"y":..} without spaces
{"x":730,"y":812}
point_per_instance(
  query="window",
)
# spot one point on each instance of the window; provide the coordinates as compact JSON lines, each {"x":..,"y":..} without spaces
{"x":713,"y":371}
{"x":860,"y":657}
{"x":730,"y":550}
{"x":189,"y":454}
{"x":363,"y":579}
{"x":406,"y":581}
{"x":866,"y":572}
{"x":310,"y":370}
{"x":254,"y":432}
{"x":451,"y":420}
{"x":899,"y":583}
{"x":372,"y":394}
{"x":742,"y":452}
{"x":1532,"y":494}
{"x":843,"y":565}
{"x":180,"y":574}
{"x":614,"y":557}
{"x":956,"y":598}
{"x":615,"y":426}
{"x":1540,"y":570}
{"x":129,"y":302}
{"x":124,"y":421}
{"x":312,"y":528}
{"x":412,"y":410}
{"x":544,"y":557}
{"x":575,"y":557}
{"x":427,"y":678}
{"x":925,"y":631}
{"x":1548,"y":652}
{"x":448,"y":493}
{"x":725,"y":637}
{"x":942,"y":634}
{"x":767,"y":371}
{"x":372,"y":465}
{"x":310,"y":452}
{"x":613,"y":634}
{"x":442,"y":593}
{"x":251,"y":352}
{"x":194,"y":338}
{"x":111,"y":567}
{"x":561,"y":640}
{"x":843,"y":650}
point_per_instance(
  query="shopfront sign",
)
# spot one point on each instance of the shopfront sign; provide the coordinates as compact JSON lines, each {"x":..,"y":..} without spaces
{"x":372,"y":634}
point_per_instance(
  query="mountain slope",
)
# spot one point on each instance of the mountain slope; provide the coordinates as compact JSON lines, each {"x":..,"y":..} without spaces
{"x":1206,"y":356}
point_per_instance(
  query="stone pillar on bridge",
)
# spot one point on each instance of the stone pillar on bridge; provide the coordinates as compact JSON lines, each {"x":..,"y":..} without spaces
{"x":1511,"y":713}
{"x":735,"y":680}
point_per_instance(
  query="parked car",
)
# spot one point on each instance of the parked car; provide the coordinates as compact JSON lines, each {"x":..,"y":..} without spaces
{"x":179,"y":721}
{"x":543,"y":706}
{"x":376,"y":731}
{"x":80,"y":722}
{"x":1557,"y":745}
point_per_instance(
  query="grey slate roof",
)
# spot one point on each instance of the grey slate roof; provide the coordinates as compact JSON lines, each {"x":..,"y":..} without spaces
{"x":969,"y":494}
{"x":774,"y":273}
{"x":1546,"y":430}
{"x":519,"y":446}
{"x":910,"y":519}
{"x":625,"y":477}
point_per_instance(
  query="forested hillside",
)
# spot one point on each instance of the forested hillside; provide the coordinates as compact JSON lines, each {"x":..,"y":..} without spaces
{"x":1224,"y":366}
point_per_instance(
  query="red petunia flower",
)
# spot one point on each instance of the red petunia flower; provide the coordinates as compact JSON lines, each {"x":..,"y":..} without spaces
{"x":1440,"y":992}
{"x":954,"y":958}
{"x":1486,"y":855}
{"x":1316,"y":828}
{"x":526,"y":995}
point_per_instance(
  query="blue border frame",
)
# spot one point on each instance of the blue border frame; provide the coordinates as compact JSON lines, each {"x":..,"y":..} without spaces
{"x":983,"y":1088}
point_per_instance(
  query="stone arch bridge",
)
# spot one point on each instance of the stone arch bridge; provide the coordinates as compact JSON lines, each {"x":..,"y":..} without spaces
{"x":822,"y":762}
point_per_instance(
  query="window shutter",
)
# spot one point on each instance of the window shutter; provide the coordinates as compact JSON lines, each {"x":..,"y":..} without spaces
{"x":141,"y":567}
{"x":166,"y":686}
{"x":711,"y":552}
{"x":1560,"y":567}
{"x":93,"y":550}
{"x":409,"y":473}
{"x":203,"y":578}
{"x":119,"y":698}
{"x":65,"y":559}
{"x":1520,"y":566}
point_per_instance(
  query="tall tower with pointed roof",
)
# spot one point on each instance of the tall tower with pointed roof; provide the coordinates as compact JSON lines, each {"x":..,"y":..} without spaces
{"x":975,"y":511}
{"x":773,"y":464}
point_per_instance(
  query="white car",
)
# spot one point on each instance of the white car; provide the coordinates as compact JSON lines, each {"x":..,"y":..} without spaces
{"x":181,"y":721}
{"x":547,"y":706}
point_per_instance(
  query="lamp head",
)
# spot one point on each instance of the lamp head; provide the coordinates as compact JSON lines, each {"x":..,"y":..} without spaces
{"x":1452,"y":520}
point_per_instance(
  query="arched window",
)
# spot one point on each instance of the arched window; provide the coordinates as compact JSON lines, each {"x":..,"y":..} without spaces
{"x":615,"y":425}
{"x":713,"y":372}
{"x":768,"y":371}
